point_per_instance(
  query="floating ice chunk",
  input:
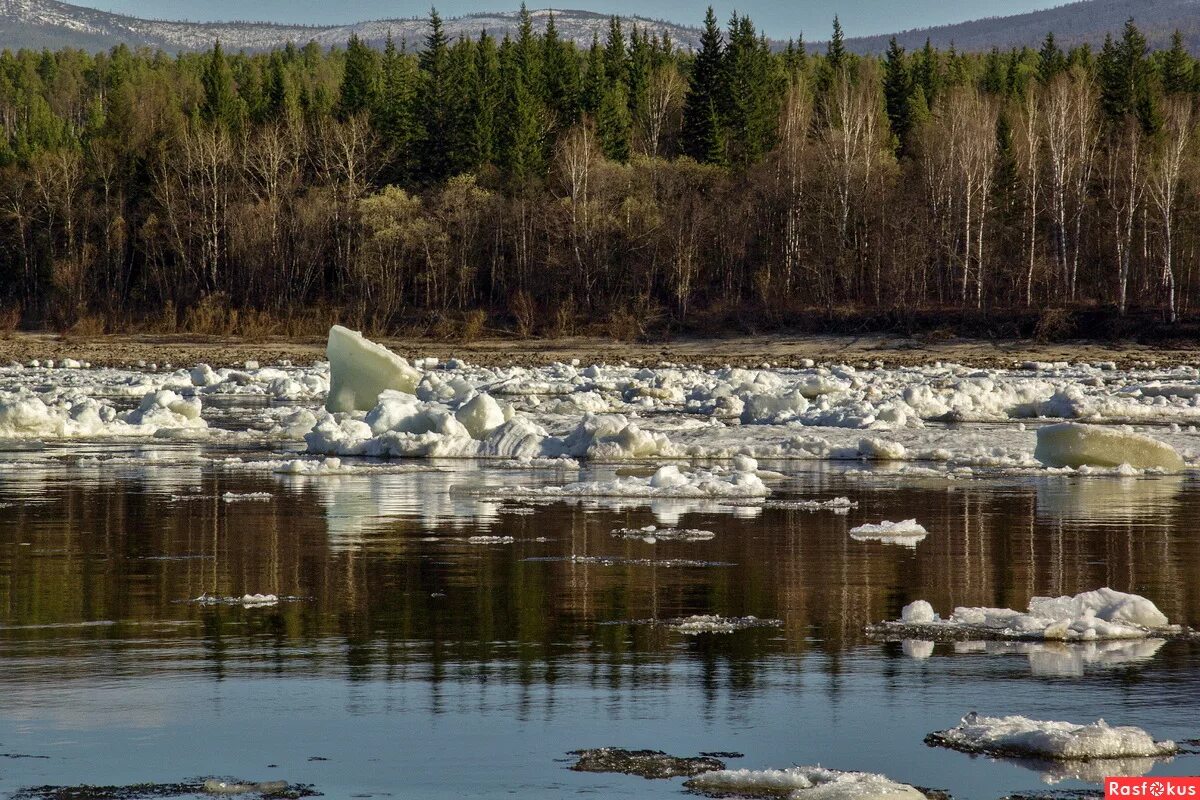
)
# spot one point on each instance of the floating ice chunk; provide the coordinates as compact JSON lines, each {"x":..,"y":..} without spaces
{"x":1074,"y":445}
{"x":1023,"y":737}
{"x":490,"y":540}
{"x":218,"y":787}
{"x":802,"y":783}
{"x":1100,"y":614}
{"x":166,"y":409}
{"x":918,"y":612}
{"x":908,"y":533}
{"x":203,"y":375}
{"x":234,"y":497}
{"x":881,"y":450}
{"x":480,"y":415}
{"x":707,"y":623}
{"x":360,"y":371}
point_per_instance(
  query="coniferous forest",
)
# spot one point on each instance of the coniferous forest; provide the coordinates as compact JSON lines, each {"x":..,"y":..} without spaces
{"x":534,"y":184}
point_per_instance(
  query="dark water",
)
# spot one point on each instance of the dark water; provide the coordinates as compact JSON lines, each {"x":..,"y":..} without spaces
{"x":420,"y":665}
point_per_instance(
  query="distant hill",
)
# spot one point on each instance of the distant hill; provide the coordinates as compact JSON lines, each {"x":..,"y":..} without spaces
{"x":53,"y":24}
{"x":1073,"y":24}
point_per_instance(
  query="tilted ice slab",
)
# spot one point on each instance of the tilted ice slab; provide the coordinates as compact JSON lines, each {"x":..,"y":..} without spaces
{"x":1073,"y":445}
{"x":802,"y":783}
{"x":1066,"y":741}
{"x":360,"y":371}
{"x":907,"y":532}
{"x":1100,"y":614}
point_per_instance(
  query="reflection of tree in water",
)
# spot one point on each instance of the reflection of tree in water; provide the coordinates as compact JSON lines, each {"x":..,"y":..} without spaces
{"x":386,"y":601}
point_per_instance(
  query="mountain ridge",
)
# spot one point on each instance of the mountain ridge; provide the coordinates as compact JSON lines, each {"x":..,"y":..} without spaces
{"x":38,"y":23}
{"x":55,"y":24}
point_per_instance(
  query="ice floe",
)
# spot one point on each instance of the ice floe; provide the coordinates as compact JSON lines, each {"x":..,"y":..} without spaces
{"x":1024,"y":737}
{"x":802,"y":783}
{"x":1100,"y":614}
{"x":666,"y":482}
{"x":1074,"y":445}
{"x":908,"y":533}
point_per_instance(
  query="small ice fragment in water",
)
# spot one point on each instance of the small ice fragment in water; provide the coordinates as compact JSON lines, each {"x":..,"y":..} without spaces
{"x":907,"y":533}
{"x":234,"y":497}
{"x":696,"y":625}
{"x":651,"y":534}
{"x":1073,"y":445}
{"x":360,"y":371}
{"x":798,"y":783}
{"x":648,"y":764}
{"x":213,"y":786}
{"x":1020,"y":736}
{"x":490,"y":540}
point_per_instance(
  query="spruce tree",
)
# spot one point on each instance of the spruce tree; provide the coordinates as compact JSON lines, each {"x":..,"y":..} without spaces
{"x":595,"y":80}
{"x":1177,"y":67}
{"x":560,"y":77}
{"x":897,"y":93}
{"x":613,"y":123}
{"x":835,"y":53}
{"x":433,"y":104}
{"x":360,"y":83}
{"x":1051,"y":60}
{"x":220,"y":100}
{"x":393,"y":114}
{"x":1125,"y":79}
{"x":702,"y":136}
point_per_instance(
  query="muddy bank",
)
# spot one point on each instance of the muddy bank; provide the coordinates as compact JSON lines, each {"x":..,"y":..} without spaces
{"x":746,"y":351}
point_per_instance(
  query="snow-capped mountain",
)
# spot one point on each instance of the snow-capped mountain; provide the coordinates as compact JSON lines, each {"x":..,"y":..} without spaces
{"x":49,"y":23}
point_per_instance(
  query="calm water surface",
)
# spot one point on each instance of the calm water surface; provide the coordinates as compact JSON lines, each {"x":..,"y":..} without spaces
{"x":418,"y":664}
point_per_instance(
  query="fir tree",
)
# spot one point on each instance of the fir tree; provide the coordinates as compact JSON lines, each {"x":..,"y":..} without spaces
{"x":1125,"y":79}
{"x":701,"y":137}
{"x":560,"y":77}
{"x":613,"y":123}
{"x":434,"y":103}
{"x":220,"y":100}
{"x":835,"y":52}
{"x":595,"y":81}
{"x":1177,"y":67}
{"x":1051,"y":60}
{"x":360,"y":84}
{"x":897,"y":93}
{"x":393,"y":114}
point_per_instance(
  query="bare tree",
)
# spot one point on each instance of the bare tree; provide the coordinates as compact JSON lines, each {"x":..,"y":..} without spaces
{"x":1165,"y":178}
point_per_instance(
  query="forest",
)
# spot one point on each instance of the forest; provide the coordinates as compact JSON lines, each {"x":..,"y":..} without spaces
{"x":531,"y":185}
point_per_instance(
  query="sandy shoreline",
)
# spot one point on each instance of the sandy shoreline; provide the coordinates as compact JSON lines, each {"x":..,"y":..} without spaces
{"x":780,"y":350}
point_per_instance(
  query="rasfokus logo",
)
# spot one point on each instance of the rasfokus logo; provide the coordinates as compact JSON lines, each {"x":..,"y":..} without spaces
{"x":1151,"y":788}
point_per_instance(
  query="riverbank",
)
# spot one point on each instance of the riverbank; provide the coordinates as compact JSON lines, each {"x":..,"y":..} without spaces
{"x":746,"y":351}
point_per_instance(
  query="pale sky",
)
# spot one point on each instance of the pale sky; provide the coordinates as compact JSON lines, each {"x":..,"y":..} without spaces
{"x":781,"y":20}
